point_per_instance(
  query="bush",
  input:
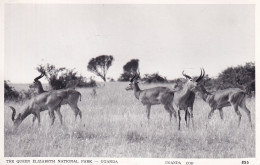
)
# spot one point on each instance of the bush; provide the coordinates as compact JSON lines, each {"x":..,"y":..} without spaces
{"x":12,"y":95}
{"x":10,"y":92}
{"x":241,"y":77}
{"x":126,"y":76}
{"x":154,"y":78}
{"x":60,"y":78}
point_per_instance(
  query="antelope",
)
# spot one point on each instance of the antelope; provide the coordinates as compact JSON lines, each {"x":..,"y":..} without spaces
{"x":71,"y":100}
{"x":184,"y":97}
{"x":153,"y":96}
{"x":47,"y":100}
{"x":37,"y":84}
{"x":234,"y":97}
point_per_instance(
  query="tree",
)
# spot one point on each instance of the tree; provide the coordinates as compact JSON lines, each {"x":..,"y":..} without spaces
{"x":130,"y":68}
{"x":100,"y":65}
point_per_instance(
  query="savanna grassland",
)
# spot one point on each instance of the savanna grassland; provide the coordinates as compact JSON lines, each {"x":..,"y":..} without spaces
{"x":114,"y":124}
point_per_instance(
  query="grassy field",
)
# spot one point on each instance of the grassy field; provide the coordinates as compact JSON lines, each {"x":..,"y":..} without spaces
{"x":114,"y":124}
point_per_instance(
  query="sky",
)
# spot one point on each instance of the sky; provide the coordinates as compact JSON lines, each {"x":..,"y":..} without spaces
{"x":166,"y":39}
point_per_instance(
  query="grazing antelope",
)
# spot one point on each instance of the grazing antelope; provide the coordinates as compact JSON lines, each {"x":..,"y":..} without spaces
{"x":153,"y":96}
{"x":184,"y":98}
{"x":234,"y":97}
{"x":47,"y":100}
{"x":71,"y":98}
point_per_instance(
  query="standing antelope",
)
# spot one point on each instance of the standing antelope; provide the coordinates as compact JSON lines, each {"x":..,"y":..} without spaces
{"x":153,"y":96}
{"x":234,"y":97}
{"x":184,"y":98}
{"x":37,"y":84}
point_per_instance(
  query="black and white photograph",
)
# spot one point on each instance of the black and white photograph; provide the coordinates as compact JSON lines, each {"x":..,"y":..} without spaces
{"x":128,"y":83}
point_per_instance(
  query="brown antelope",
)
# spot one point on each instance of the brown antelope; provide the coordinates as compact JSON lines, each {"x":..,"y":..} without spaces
{"x":47,"y":100}
{"x":234,"y":97}
{"x":184,"y":98}
{"x":153,"y":96}
{"x":37,"y":84}
{"x":71,"y":98}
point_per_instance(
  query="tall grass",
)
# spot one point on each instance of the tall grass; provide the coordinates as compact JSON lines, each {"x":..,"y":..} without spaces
{"x":114,"y":124}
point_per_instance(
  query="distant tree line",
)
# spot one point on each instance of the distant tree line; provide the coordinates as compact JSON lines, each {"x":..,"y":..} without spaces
{"x":59,"y":78}
{"x":242,"y":76}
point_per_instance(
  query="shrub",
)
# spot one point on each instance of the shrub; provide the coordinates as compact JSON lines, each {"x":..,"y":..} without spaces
{"x":154,"y":78}
{"x":60,"y":78}
{"x":241,"y":77}
{"x":13,"y":95}
{"x":10,"y":92}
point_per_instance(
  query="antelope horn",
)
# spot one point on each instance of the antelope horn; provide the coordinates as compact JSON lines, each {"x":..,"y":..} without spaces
{"x":37,"y":78}
{"x":202,"y":74}
{"x":186,"y":75}
{"x":138,"y":74}
{"x":132,"y":79}
{"x":14,"y":112}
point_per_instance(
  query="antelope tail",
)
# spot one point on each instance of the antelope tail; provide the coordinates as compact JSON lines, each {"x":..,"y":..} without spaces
{"x":79,"y":96}
{"x":14,"y":112}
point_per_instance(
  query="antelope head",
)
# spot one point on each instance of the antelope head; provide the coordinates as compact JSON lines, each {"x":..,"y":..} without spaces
{"x":36,"y":82}
{"x":18,"y":120}
{"x":133,"y":81}
{"x":191,"y":84}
